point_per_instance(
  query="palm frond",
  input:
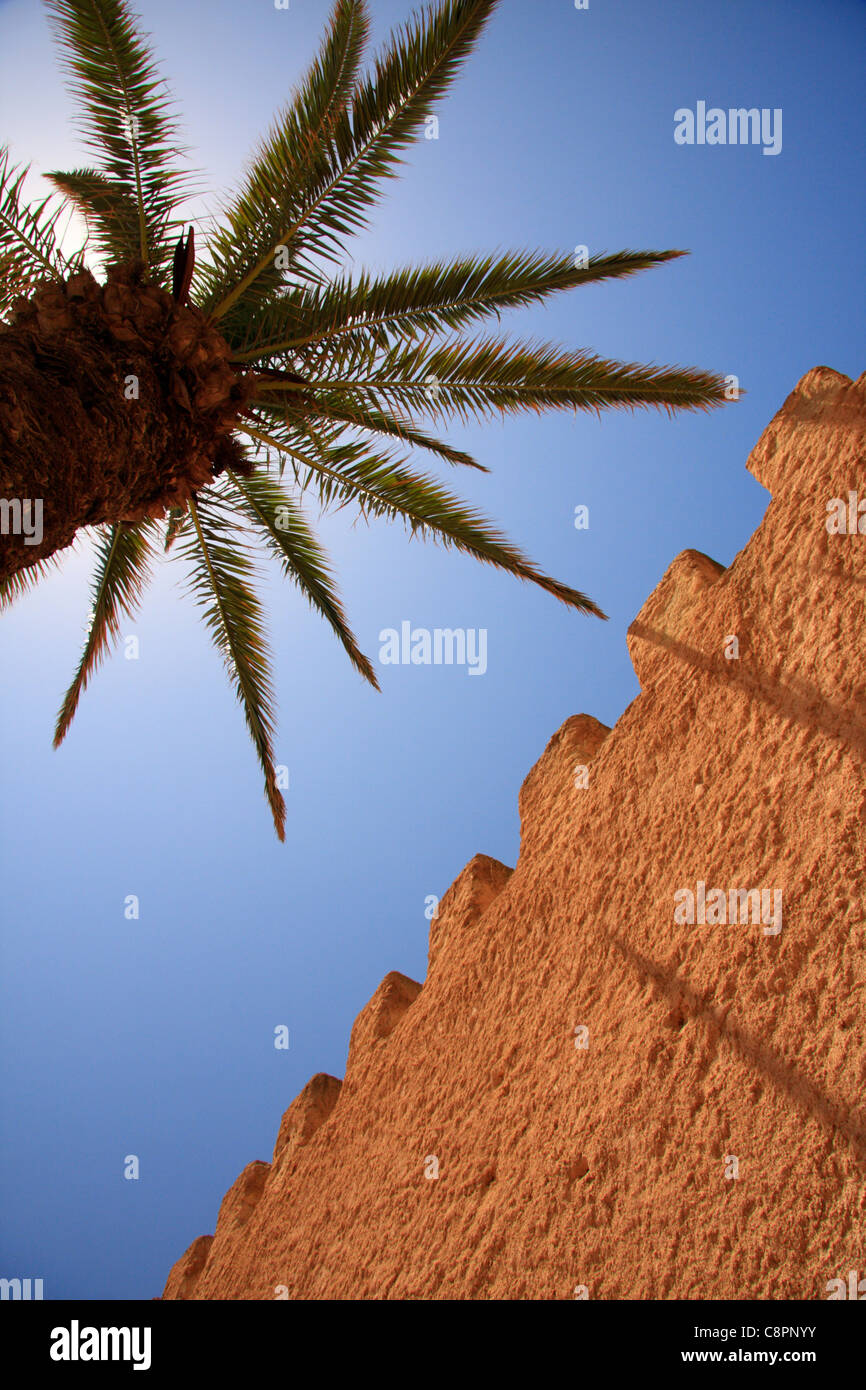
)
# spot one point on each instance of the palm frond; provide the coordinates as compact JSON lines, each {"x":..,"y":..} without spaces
{"x":394,"y":426}
{"x":292,"y":543}
{"x":29,"y":251}
{"x":384,"y":487}
{"x":122,"y":571}
{"x":220,"y":582}
{"x":419,"y":65}
{"x":387,"y":111}
{"x":111,"y":213}
{"x":22,"y":581}
{"x":485,"y":376}
{"x":293,"y":156}
{"x":127,"y":119}
{"x":441,"y":297}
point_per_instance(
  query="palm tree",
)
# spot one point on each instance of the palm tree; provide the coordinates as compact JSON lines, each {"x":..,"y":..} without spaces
{"x":189,"y":403}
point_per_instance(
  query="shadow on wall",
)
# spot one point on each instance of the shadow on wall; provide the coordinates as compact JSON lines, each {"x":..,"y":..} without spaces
{"x":688,"y":1003}
{"x":796,"y":699}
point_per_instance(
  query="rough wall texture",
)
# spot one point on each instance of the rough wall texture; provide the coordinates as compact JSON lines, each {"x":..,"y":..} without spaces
{"x":583,"y":1067}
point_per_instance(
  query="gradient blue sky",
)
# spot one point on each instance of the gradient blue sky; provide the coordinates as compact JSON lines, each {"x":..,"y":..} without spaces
{"x":155,"y":1037}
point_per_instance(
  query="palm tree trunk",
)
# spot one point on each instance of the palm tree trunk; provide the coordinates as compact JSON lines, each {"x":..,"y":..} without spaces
{"x":116,"y":403}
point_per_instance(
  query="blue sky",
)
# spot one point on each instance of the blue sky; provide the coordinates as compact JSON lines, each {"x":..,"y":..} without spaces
{"x":154,"y":1036}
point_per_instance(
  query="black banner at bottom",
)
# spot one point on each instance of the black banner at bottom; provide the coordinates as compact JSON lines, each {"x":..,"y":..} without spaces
{"x":63,"y":1339}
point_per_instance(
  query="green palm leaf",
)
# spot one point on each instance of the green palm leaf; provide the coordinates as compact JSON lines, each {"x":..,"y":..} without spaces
{"x":28,"y":237}
{"x":395,"y":426}
{"x":127,"y":120}
{"x":387,"y":111}
{"x":22,"y":581}
{"x":220,"y":581}
{"x":294,"y":156}
{"x":111,"y":213}
{"x":122,"y":572}
{"x":292,"y":543}
{"x":487,"y":377}
{"x":384,"y":487}
{"x":441,"y":297}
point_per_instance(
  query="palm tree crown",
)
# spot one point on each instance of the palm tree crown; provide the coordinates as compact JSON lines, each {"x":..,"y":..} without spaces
{"x":340,"y":376}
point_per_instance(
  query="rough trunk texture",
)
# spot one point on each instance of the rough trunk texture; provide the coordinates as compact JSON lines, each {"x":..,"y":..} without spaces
{"x":116,"y":403}
{"x":619,"y":1104}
